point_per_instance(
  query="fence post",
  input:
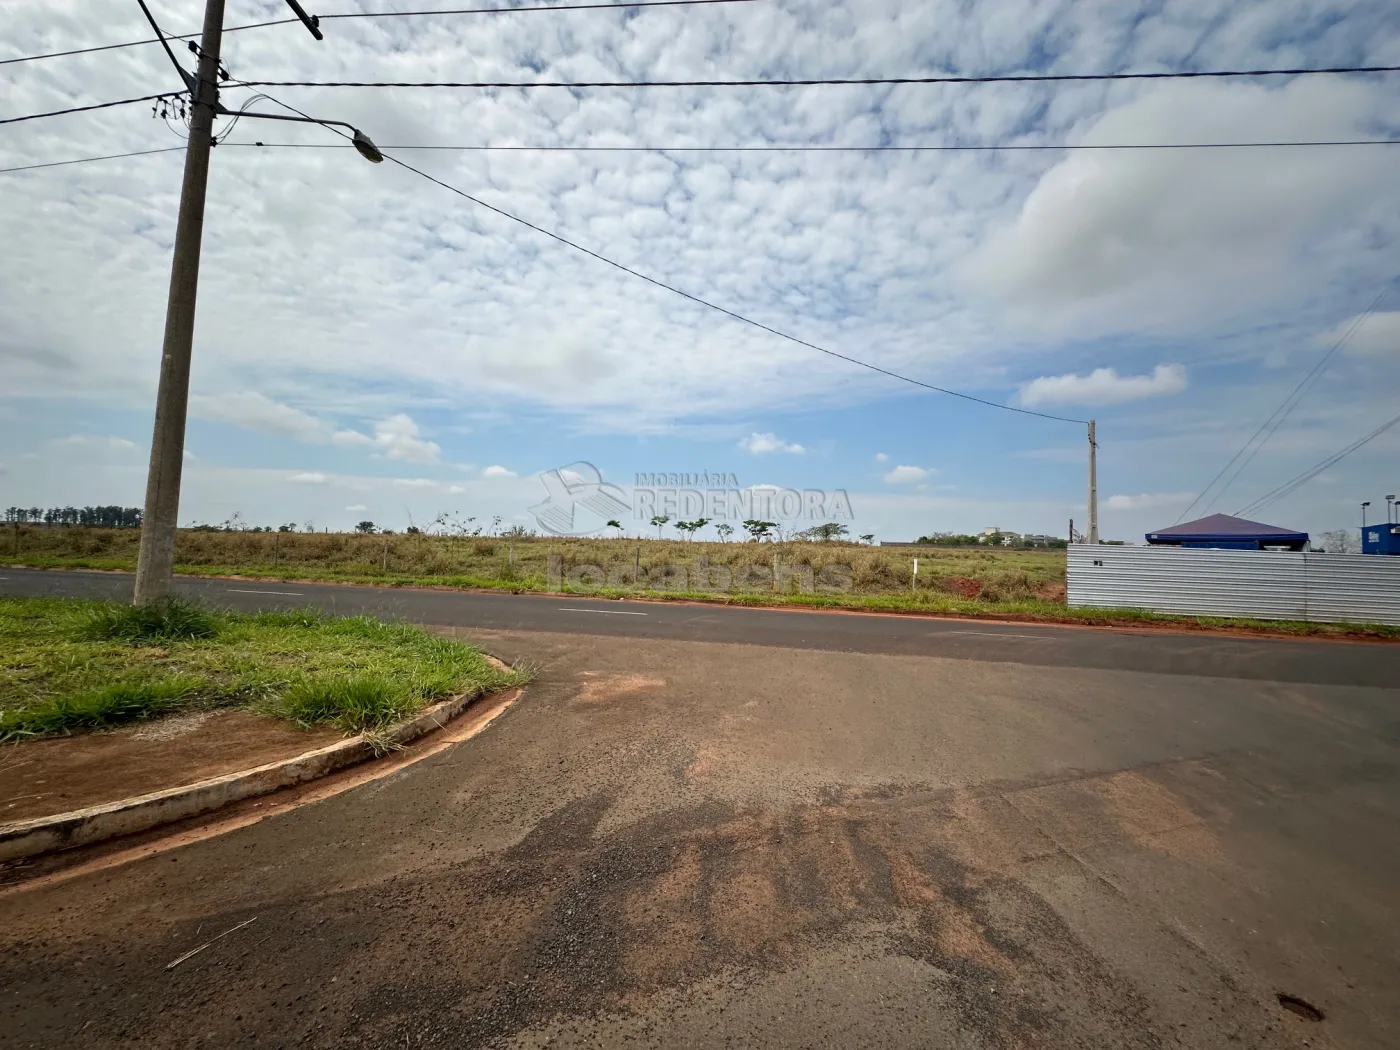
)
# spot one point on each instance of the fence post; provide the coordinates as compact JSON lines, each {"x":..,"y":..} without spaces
{"x":276,"y":549}
{"x":914,"y":580}
{"x":386,"y":556}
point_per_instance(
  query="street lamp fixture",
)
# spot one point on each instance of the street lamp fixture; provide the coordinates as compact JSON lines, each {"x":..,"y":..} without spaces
{"x":1388,"y":501}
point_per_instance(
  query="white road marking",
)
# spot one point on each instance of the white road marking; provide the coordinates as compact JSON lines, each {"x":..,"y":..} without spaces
{"x":289,"y":594}
{"x":605,"y":612}
{"x":985,"y":634}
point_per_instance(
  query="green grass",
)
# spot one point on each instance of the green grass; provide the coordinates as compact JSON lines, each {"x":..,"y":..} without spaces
{"x":68,"y":666}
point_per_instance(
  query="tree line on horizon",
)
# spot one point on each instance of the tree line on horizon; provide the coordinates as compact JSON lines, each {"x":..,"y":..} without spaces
{"x":112,"y":517}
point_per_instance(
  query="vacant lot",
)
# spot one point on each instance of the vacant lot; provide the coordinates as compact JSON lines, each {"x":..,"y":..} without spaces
{"x":953,"y":578}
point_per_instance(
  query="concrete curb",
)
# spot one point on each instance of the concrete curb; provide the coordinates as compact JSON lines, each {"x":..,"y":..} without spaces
{"x":125,"y":817}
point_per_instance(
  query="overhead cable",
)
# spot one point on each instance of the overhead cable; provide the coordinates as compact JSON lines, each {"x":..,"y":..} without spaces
{"x":1284,"y":408}
{"x":980,"y":148}
{"x":697,"y":299}
{"x":1288,"y":487}
{"x":1004,"y":78}
{"x":387,"y":14}
{"x":85,"y":109}
{"x":89,"y":160}
{"x":732,"y":149}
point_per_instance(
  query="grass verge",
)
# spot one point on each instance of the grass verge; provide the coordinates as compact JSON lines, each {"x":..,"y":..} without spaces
{"x":69,"y":665}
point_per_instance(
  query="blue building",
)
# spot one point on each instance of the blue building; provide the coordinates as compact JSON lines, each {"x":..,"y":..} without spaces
{"x":1380,"y":539}
{"x":1223,"y":532}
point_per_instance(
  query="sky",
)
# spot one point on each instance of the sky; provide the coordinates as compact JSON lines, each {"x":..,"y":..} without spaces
{"x":371,"y":346}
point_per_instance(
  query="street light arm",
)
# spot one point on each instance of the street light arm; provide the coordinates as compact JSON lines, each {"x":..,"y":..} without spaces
{"x":358,"y":138}
{"x":226,"y":112}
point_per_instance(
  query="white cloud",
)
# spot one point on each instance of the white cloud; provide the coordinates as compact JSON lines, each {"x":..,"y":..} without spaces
{"x":881,"y":457}
{"x":1103,"y":386}
{"x":904,"y":475}
{"x":1133,"y":239}
{"x":255,"y":411}
{"x":498,"y":472}
{"x":1377,"y":334}
{"x":398,"y":437}
{"x":1149,"y":500}
{"x":414,"y":483}
{"x":757,"y":444}
{"x":309,"y":477}
{"x":90,"y":441}
{"x":394,"y":438}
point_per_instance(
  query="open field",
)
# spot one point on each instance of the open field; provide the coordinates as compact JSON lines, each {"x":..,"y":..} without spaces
{"x":992,"y":576}
{"x":70,"y":665}
{"x":962,"y":581}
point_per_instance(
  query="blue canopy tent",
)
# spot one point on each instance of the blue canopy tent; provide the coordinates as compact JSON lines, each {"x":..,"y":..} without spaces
{"x":1221,"y":531}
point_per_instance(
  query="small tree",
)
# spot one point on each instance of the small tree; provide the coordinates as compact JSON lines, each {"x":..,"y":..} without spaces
{"x":831,"y":530}
{"x":1339,"y":541}
{"x":365,"y":527}
{"x":660,"y":520}
{"x":759,"y":529}
{"x":615,"y":524}
{"x":690,"y":528}
{"x":868,"y":538}
{"x":725,"y":530}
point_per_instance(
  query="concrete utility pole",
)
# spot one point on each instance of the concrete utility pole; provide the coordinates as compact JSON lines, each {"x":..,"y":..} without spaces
{"x":1093,"y":485}
{"x":156,"y":558}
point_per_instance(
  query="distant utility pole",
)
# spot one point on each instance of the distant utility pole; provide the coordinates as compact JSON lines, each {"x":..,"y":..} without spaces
{"x":156,"y":557}
{"x":1093,"y":484}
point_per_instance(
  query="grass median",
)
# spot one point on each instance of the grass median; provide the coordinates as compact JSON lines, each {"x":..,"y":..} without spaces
{"x":69,"y":665}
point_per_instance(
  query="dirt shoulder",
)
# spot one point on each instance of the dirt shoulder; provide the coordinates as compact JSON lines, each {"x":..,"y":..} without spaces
{"x":40,"y":778}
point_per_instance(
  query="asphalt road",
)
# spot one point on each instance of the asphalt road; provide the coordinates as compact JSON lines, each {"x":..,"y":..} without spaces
{"x":733,"y":828}
{"x":1160,"y":652}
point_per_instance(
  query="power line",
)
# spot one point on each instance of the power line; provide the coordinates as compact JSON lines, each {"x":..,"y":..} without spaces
{"x":1009,"y":78}
{"x":387,"y":14}
{"x":1301,"y":390}
{"x":1285,"y":407}
{"x":85,"y":109}
{"x":695,"y":298}
{"x":1288,"y":487}
{"x":726,"y":149}
{"x":993,"y":147}
{"x":89,"y":160}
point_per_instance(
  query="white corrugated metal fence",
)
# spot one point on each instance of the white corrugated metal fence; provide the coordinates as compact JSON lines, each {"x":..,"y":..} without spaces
{"x":1269,"y":585}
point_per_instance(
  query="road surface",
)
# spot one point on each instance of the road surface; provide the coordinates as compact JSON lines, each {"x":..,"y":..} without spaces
{"x":713,"y":827}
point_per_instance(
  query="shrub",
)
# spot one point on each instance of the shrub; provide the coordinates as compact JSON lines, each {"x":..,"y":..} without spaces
{"x":355,"y":704}
{"x":170,"y":620}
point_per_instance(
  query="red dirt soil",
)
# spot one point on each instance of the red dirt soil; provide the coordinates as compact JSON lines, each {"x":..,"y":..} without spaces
{"x":39,"y":778}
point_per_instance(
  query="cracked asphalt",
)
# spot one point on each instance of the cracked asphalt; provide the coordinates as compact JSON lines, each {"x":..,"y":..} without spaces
{"x":668,"y":842}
